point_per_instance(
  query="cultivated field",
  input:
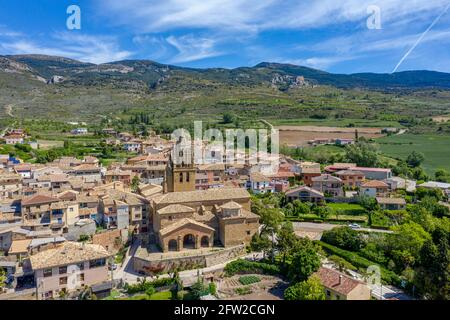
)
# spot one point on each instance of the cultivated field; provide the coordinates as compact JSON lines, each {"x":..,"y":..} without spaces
{"x":300,"y":135}
{"x":436,"y":149}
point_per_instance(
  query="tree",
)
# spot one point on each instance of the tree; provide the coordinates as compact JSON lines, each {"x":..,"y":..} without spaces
{"x":227,"y":118}
{"x":323,"y":212}
{"x":407,"y":242}
{"x":311,"y":289}
{"x":199,"y":289}
{"x":286,"y":239}
{"x":305,"y":260}
{"x":432,"y":276}
{"x":301,"y":207}
{"x":271,"y":219}
{"x":343,"y":237}
{"x":135,"y":184}
{"x":442,"y":175}
{"x":362,"y":153}
{"x":260,"y":242}
{"x":415,"y":159}
{"x":2,"y":279}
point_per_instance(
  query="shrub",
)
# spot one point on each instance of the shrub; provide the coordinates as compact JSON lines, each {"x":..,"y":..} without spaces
{"x":144,"y":285}
{"x":360,"y":262}
{"x":244,"y":266}
{"x":212,"y":288}
{"x":341,"y":263}
{"x":150,"y":291}
{"x":343,"y":237}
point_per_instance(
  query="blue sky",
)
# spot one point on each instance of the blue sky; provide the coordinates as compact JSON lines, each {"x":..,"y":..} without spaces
{"x":329,"y":35}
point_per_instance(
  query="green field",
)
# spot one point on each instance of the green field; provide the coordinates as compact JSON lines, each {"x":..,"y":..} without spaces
{"x":436,"y":149}
{"x":336,"y":122}
{"x":352,"y":209}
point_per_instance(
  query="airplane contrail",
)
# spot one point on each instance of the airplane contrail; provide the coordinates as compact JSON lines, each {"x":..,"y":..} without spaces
{"x":420,"y":38}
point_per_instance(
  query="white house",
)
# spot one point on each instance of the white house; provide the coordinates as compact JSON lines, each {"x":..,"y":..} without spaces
{"x":13,"y":139}
{"x":79,"y":131}
{"x":259,"y":183}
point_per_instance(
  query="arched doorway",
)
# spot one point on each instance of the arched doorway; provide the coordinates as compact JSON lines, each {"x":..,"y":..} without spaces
{"x":205,"y":242}
{"x":173,"y":245}
{"x":189,"y":241}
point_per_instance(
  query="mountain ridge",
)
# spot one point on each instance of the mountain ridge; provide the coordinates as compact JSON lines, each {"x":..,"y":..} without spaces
{"x":151,"y":74}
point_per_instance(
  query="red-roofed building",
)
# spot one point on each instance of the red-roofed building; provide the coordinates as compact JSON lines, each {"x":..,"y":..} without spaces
{"x":339,"y":286}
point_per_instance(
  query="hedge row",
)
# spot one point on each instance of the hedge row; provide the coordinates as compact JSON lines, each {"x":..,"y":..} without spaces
{"x":144,"y":285}
{"x":360,"y":262}
{"x":245,"y":266}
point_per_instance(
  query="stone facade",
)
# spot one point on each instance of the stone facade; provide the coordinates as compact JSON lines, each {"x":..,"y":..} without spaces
{"x":149,"y":266}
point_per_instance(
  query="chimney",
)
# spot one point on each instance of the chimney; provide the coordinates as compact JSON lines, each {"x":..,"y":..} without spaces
{"x":340,"y":279}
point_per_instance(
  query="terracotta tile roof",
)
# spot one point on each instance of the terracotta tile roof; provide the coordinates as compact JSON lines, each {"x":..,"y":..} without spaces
{"x":310,"y":170}
{"x":326,"y":177}
{"x":202,"y":195}
{"x":349,"y":173}
{"x":371,"y":169}
{"x":183,"y":223}
{"x":19,"y":246}
{"x":211,"y":167}
{"x":37,"y":199}
{"x":68,"y":253}
{"x":374,"y":184}
{"x":175,"y":208}
{"x":258,"y":177}
{"x":305,"y":188}
{"x":337,"y":281}
{"x":231,"y":205}
{"x":83,"y":167}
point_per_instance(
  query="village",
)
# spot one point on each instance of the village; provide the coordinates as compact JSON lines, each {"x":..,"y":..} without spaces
{"x":74,"y":228}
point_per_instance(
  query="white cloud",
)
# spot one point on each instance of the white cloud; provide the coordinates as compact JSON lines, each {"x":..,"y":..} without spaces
{"x":317,"y":62}
{"x":86,"y":48}
{"x":257,"y":15}
{"x":191,"y":48}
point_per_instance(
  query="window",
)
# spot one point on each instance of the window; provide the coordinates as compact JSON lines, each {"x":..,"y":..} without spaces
{"x":62,"y":280}
{"x":181,"y":176}
{"x":328,"y":293}
{"x":47,"y":273}
{"x":63,"y":270}
{"x":248,"y":232}
{"x":187,"y":177}
{"x":80,"y":277}
{"x":97,"y":263}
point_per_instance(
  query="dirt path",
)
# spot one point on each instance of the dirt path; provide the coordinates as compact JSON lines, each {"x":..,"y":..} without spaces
{"x":8,"y":110}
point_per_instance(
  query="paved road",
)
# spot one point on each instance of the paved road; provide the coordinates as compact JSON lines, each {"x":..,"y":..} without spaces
{"x":320,"y":227}
{"x":383,"y":292}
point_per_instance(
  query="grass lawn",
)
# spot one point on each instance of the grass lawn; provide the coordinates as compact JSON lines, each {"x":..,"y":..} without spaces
{"x":348,"y":208}
{"x":163,"y":295}
{"x":114,"y":294}
{"x":436,"y":149}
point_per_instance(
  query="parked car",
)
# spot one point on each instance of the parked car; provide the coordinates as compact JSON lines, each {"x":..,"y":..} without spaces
{"x":354,"y":226}
{"x":112,"y":266}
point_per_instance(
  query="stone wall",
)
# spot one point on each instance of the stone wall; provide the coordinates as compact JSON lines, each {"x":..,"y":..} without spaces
{"x":150,"y":267}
